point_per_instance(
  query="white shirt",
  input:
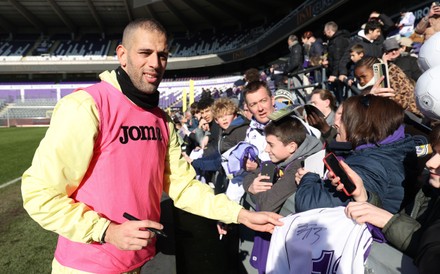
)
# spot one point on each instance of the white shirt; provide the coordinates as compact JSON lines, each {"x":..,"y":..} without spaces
{"x":321,"y":240}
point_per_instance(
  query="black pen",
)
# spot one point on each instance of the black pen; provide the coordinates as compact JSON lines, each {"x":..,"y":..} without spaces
{"x":155,"y":230}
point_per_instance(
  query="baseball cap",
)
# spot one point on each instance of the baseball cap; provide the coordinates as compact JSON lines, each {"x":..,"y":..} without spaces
{"x":390,"y":44}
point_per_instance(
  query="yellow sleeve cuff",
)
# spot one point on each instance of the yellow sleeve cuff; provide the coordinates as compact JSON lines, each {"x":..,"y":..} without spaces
{"x":99,"y":228}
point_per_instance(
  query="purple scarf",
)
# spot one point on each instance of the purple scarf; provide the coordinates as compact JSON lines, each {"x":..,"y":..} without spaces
{"x":397,"y":135}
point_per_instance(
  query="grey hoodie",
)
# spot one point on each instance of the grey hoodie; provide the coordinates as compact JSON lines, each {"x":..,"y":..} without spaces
{"x":274,"y":198}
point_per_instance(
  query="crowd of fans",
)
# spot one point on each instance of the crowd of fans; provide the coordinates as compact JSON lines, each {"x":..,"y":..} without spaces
{"x":376,"y":132}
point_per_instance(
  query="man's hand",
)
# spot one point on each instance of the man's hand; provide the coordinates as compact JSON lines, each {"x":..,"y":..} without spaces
{"x":222,"y":229}
{"x":364,"y":212}
{"x":259,"y":221}
{"x":131,"y":235}
{"x":331,"y":78}
{"x":258,"y":185}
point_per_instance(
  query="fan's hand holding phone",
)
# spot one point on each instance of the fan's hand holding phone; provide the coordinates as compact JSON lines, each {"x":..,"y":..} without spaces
{"x":379,"y":70}
{"x":332,"y":164}
{"x":268,"y":169}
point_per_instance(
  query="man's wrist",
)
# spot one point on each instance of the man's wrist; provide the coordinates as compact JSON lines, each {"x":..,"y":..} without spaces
{"x":102,"y":240}
{"x":241,"y":218}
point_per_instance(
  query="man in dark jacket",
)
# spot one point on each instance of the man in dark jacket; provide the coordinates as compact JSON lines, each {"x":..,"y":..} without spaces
{"x":398,"y":54}
{"x":338,"y":44}
{"x":294,"y":64}
{"x":296,"y":57}
{"x":369,"y":39}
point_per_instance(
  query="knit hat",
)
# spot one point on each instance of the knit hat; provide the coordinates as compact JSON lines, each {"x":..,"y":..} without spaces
{"x":284,"y":95}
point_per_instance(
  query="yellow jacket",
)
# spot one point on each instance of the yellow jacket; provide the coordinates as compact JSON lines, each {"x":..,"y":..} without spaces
{"x":63,"y":156}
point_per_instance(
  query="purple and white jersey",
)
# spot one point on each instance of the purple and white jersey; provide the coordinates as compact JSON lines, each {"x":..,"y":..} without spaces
{"x":319,"y":241}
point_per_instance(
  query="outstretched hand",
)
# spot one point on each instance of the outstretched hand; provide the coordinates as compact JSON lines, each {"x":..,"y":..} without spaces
{"x":262,"y":221}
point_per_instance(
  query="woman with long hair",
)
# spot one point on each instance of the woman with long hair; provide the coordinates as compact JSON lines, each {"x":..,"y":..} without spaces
{"x":382,"y":155}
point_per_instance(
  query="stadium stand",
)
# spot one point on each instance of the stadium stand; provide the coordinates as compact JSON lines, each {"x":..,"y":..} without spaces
{"x":25,"y":104}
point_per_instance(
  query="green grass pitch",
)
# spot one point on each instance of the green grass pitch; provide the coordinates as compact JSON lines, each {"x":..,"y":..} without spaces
{"x":24,"y":245}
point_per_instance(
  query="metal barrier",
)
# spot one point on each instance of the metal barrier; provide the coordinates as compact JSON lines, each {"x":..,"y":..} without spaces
{"x":301,"y":90}
{"x":295,"y":82}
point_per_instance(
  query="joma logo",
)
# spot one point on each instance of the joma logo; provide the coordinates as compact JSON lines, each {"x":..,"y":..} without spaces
{"x":136,"y":133}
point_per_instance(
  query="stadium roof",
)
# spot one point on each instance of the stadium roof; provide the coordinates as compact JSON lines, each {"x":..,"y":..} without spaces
{"x":110,"y":16}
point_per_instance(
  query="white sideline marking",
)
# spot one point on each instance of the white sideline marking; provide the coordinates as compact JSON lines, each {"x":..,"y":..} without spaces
{"x":10,"y":182}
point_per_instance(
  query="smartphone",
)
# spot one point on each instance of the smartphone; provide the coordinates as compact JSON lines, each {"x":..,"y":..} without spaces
{"x":332,"y":164}
{"x":312,"y":109}
{"x":379,"y":70}
{"x":268,"y":169}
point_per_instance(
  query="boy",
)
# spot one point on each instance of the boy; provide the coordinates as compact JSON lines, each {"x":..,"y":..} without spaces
{"x":356,"y":53}
{"x":288,"y":144}
{"x":232,"y":130}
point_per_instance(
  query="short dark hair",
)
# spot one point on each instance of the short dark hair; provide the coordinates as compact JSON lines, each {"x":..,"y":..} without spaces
{"x":194,"y":108}
{"x":205,"y":103}
{"x":363,"y":118}
{"x":288,"y":129}
{"x":307,"y":35}
{"x":372,"y":25}
{"x":252,"y":75}
{"x":141,"y":23}
{"x":251,"y":87}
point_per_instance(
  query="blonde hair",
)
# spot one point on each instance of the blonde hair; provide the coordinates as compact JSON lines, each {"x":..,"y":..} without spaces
{"x":224,"y":106}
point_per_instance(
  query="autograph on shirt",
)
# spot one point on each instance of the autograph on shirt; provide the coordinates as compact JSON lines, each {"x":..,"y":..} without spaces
{"x":310,"y":232}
